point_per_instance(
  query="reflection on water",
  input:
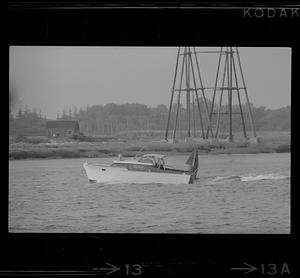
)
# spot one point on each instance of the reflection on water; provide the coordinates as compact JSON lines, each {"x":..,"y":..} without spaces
{"x":240,"y":193}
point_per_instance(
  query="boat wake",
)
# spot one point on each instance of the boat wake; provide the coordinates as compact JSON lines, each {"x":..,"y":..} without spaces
{"x":216,"y":180}
{"x":249,"y":178}
{"x":264,"y":177}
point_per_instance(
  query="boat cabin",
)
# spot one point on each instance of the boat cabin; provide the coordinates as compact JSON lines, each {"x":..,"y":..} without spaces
{"x":144,"y":163}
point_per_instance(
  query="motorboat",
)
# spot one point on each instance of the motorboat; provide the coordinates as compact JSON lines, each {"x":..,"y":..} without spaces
{"x":147,"y":168}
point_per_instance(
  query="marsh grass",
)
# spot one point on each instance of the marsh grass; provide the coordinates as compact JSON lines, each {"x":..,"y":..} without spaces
{"x":18,"y":149}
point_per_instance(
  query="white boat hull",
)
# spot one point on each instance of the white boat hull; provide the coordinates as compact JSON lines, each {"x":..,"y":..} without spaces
{"x":107,"y":174}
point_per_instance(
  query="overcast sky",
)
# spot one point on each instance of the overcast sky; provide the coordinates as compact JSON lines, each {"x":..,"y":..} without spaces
{"x":51,"y":78}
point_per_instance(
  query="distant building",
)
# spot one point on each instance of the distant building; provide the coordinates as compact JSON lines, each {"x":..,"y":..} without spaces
{"x":62,"y":129}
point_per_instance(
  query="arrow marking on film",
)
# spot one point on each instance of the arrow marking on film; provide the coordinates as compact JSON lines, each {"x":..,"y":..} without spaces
{"x":111,"y":269}
{"x":249,"y":267}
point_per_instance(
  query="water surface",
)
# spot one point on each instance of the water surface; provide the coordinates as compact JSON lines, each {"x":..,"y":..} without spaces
{"x":236,"y":193}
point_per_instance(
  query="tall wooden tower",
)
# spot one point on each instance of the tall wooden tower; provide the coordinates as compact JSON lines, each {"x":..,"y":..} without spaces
{"x":188,"y":83}
{"x":230,"y":85}
{"x":214,"y":113}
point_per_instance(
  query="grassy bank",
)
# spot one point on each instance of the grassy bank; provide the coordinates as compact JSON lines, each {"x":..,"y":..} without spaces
{"x":33,"y":148}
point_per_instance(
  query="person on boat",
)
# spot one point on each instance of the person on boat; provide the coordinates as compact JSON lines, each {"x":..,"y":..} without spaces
{"x":161,"y":164}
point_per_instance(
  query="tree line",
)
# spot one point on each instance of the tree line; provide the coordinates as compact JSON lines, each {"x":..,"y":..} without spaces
{"x":111,"y":119}
{"x":27,"y":121}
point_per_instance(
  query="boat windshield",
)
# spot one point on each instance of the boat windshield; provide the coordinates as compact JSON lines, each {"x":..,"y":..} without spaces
{"x":147,"y":160}
{"x":156,"y":160}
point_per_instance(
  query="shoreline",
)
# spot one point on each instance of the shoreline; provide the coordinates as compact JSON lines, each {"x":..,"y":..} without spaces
{"x":115,"y":156}
{"x":109,"y":150}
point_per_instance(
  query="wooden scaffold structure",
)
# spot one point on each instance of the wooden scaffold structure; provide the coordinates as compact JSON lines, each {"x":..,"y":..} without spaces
{"x":190,"y":83}
{"x":230,"y":75}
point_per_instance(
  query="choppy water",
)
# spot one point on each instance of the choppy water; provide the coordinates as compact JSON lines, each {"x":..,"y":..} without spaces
{"x":239,"y":193}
